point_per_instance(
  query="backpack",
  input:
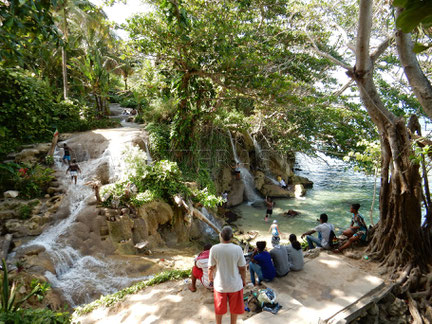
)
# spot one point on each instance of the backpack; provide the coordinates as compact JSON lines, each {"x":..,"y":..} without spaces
{"x":333,"y":240}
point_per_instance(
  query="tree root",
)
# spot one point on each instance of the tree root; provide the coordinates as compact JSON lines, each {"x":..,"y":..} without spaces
{"x":412,"y":306}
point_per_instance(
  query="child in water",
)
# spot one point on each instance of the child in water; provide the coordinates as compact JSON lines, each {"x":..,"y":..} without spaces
{"x":276,"y":233}
{"x":73,"y":168}
{"x":269,"y":205}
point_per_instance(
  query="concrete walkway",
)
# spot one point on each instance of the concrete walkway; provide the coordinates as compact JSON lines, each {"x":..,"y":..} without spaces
{"x":326,"y":286}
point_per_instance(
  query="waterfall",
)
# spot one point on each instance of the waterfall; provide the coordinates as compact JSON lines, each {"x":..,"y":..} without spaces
{"x":149,"y":158}
{"x":246,"y":176}
{"x":210,"y":217}
{"x":264,"y":160}
{"x":83,"y":278}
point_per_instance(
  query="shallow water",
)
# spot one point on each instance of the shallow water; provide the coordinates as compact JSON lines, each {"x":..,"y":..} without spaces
{"x":335,"y":189}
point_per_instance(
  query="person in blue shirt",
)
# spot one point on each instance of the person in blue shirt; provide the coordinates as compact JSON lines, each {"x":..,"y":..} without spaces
{"x":261,"y":264}
{"x":357,"y":230}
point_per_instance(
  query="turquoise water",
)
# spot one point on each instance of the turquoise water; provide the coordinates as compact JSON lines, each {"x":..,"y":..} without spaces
{"x":335,"y":189}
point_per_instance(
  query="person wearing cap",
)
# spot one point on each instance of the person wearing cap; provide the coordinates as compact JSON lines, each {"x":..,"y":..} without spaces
{"x":324,"y":229}
{"x":276,"y":233}
{"x":227,"y":268}
{"x":261,"y":264}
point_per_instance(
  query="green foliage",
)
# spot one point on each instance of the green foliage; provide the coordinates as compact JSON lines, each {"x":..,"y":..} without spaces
{"x":25,"y":210}
{"x":111,"y":300}
{"x":367,"y":157}
{"x":145,"y":183}
{"x":8,"y":301}
{"x":415,"y":12}
{"x":35,"y":316}
{"x":129,"y":103}
{"x":29,"y":113}
{"x":25,"y":25}
{"x":159,"y":139}
{"x":30,"y":180}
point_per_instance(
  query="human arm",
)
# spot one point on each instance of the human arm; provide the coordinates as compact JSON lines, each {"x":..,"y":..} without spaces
{"x":211,"y":271}
{"x":242,"y":271}
{"x":308,"y":233}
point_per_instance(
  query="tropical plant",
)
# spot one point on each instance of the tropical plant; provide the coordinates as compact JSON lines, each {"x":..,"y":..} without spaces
{"x":9,"y":301}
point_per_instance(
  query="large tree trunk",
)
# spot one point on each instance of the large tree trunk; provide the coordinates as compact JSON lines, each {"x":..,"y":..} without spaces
{"x":64,"y":56}
{"x":397,"y":240}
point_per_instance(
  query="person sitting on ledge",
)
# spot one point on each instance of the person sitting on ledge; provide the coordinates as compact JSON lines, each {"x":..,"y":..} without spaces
{"x":200,"y":269}
{"x":323,"y":230}
{"x":295,"y":254}
{"x":261,"y":264}
{"x":357,"y":230}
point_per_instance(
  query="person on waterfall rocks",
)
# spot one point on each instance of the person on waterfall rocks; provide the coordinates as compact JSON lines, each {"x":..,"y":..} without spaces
{"x":66,"y":154}
{"x":200,"y":269}
{"x":269,"y":203}
{"x":74,"y":169}
{"x":357,"y":231}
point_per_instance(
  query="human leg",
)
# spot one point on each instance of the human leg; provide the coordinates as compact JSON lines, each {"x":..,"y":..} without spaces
{"x":255,"y":268}
{"x":348,"y":232}
{"x":348,"y":243}
{"x":220,"y":305}
{"x":236,"y":304}
{"x":197,"y":273}
{"x":311,"y":240}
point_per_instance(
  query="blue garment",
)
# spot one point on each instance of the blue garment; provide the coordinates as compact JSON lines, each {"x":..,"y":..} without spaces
{"x":360,"y":222}
{"x":265,"y":262}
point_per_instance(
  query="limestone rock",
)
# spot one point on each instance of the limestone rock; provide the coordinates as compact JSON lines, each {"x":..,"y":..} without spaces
{"x":259,"y":180}
{"x":276,"y":191}
{"x":121,"y":229}
{"x":8,"y":214}
{"x":302,"y":180}
{"x":11,"y":194}
{"x":102,"y":173}
{"x":235,"y":196}
{"x":28,"y":155}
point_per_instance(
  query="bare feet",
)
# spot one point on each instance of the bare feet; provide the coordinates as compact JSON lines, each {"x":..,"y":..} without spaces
{"x":193,"y":289}
{"x":337,"y":251}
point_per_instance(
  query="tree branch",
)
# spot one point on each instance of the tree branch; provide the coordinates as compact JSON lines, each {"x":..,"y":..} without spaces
{"x":419,"y":83}
{"x":381,"y":48}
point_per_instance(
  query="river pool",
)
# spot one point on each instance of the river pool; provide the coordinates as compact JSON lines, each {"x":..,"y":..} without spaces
{"x":335,"y":188}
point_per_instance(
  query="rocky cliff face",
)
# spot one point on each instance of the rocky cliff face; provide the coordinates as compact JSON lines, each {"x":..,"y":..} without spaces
{"x":266,"y":167}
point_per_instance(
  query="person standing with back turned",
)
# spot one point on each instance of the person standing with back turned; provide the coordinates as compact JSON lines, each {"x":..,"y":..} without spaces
{"x":227,"y":267}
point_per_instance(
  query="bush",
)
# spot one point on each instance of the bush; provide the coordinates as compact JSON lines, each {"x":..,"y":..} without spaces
{"x":35,"y":316}
{"x":159,"y":138}
{"x":30,"y":180}
{"x":160,"y":180}
{"x":129,"y":103}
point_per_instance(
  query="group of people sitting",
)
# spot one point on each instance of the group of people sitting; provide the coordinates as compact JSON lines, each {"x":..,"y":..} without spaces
{"x":356,"y":232}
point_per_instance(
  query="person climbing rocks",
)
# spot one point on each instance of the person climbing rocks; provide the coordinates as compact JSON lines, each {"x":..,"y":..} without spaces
{"x":66,"y":154}
{"x":74,"y":169}
{"x":269,"y":203}
{"x":357,"y":231}
{"x":276,"y":233}
{"x":200,"y":269}
{"x":236,"y":168}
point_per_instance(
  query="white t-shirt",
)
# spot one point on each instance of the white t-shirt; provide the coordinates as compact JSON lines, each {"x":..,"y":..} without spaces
{"x":227,"y":257}
{"x":203,"y":264}
{"x":325,"y":229}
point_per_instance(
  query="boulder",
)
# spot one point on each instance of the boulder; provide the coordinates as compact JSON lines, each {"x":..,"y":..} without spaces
{"x":302,"y":180}
{"x":102,"y":173}
{"x":299,"y":190}
{"x":121,"y":229}
{"x":8,"y":214}
{"x":28,"y":155}
{"x":11,"y":194}
{"x":260,"y":180}
{"x":235,"y":196}
{"x":139,"y":230}
{"x":276,"y":191}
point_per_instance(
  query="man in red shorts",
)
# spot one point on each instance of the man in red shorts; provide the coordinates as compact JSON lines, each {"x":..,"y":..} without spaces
{"x":200,"y":269}
{"x":227,"y":268}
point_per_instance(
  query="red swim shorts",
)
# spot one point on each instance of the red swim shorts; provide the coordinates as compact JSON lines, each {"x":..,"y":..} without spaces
{"x":235,"y":300}
{"x":197,"y":272}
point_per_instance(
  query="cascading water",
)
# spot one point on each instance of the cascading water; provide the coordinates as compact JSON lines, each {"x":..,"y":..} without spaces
{"x":149,"y":158}
{"x":210,"y":217}
{"x":246,"y":176}
{"x":83,"y":278}
{"x":264,"y":160}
